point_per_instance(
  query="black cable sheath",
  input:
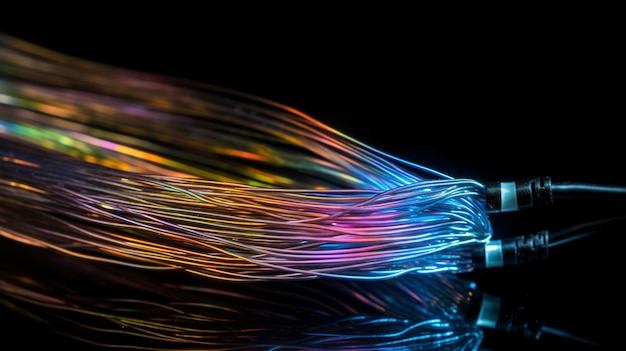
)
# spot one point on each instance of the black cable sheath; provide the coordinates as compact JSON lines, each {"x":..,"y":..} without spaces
{"x":518,"y":195}
{"x":541,"y":192}
{"x":528,"y":248}
{"x":569,"y":190}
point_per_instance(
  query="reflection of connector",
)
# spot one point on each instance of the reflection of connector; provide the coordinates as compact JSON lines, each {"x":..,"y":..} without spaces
{"x":517,"y":195}
{"x":520,"y":317}
{"x":512,"y":251}
{"x":499,"y":314}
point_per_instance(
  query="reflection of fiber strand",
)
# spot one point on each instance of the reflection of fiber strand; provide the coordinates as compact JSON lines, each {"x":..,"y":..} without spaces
{"x":212,"y":181}
{"x":418,"y":312}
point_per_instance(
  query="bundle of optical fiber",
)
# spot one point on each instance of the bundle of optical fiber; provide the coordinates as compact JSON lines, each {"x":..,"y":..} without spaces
{"x":144,"y":170}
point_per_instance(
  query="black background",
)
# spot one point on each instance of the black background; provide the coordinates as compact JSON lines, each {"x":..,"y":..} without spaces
{"x":502,"y":100}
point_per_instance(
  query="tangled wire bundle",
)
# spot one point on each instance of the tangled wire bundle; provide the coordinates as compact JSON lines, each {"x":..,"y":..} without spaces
{"x":155,"y":172}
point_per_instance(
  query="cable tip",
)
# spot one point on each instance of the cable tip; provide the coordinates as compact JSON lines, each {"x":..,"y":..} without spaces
{"x":512,"y":251}
{"x":518,"y":195}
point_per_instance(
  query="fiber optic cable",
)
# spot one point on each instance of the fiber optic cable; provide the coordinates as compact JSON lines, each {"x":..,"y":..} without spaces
{"x":214,"y":229}
{"x":146,"y":176}
{"x":288,"y":162}
{"x":162,"y":173}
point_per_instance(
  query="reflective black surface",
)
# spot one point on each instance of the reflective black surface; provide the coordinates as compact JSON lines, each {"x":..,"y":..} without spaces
{"x":487,"y":106}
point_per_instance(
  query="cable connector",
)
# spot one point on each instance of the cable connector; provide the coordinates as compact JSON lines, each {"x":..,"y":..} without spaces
{"x":512,"y":251}
{"x":517,"y":195}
